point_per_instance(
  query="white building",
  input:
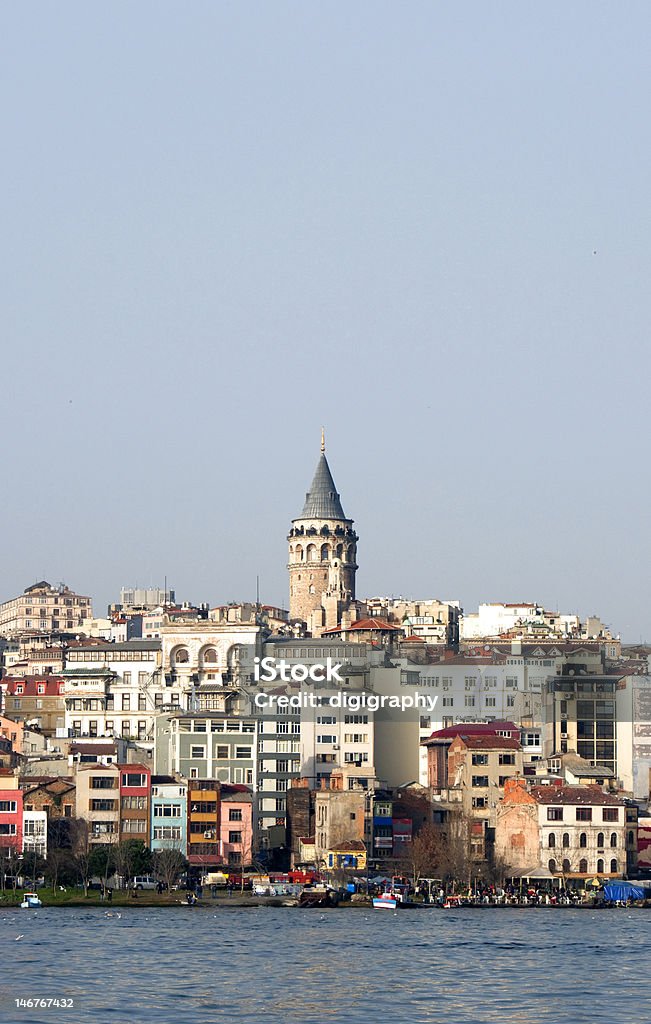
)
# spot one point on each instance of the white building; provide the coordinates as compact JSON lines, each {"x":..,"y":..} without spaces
{"x":35,"y":832}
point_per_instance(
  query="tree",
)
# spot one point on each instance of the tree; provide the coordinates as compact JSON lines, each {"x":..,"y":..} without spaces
{"x":33,"y":865}
{"x":102,"y":861}
{"x":60,"y":867}
{"x":82,"y":850}
{"x":425,"y":856}
{"x":457,"y":862}
{"x":168,"y":865}
{"x":132,"y":857}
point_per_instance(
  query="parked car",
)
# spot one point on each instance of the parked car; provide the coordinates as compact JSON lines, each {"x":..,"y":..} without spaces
{"x":144,"y":882}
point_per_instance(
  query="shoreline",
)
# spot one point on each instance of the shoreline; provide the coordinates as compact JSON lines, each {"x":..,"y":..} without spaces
{"x":255,"y":903}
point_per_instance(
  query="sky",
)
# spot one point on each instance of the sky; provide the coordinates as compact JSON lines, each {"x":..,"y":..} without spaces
{"x":424,"y":226}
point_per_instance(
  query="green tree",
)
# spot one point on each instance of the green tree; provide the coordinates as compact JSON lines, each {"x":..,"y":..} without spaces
{"x":132,"y":857}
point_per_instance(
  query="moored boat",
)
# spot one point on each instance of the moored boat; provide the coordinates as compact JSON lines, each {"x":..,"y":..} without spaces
{"x":30,"y":901}
{"x":387,"y":901}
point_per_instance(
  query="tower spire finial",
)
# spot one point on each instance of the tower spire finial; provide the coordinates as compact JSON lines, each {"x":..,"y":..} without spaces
{"x":322,"y":439}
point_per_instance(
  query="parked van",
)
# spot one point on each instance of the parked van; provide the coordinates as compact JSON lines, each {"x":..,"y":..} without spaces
{"x":144,"y":882}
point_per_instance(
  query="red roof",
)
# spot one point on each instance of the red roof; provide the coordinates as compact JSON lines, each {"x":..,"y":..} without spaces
{"x":587,"y":795}
{"x":488,"y":742}
{"x":473,"y":729}
{"x":411,"y":639}
{"x":30,"y":686}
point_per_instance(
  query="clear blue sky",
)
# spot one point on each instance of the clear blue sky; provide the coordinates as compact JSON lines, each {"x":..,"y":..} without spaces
{"x":424,"y":225}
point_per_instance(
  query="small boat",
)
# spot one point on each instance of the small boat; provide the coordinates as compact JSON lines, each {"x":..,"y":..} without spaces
{"x":387,"y":901}
{"x":30,"y":901}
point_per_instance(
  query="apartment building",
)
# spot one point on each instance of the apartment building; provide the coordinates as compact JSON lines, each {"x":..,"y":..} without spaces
{"x":43,"y":608}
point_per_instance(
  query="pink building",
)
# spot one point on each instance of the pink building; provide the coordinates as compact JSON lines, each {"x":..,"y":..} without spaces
{"x":11,"y":812}
{"x":236,"y":825}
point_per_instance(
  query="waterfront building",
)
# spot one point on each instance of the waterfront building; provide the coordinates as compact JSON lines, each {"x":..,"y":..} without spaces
{"x":11,"y":812}
{"x":221,"y":827}
{"x":97,"y":799}
{"x":35,"y":832}
{"x":571,"y":832}
{"x":55,"y":796}
{"x":169,"y":806}
{"x":236,"y":825}
{"x":135,"y":796}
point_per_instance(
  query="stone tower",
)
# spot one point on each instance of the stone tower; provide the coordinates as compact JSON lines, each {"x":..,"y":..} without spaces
{"x":322,"y":555}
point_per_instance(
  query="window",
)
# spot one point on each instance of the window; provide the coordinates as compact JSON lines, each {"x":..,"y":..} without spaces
{"x":479,"y":801}
{"x":510,"y":701}
{"x":551,"y":864}
{"x":551,"y":842}
{"x":243,"y":753}
{"x":613,"y":839}
{"x":610,"y":814}
{"x":134,"y":803}
{"x":167,"y":831}
{"x":554,"y":814}
{"x":8,"y":806}
{"x":235,"y":814}
{"x":102,"y":805}
{"x":235,"y":837}
{"x":613,"y":867}
{"x":7,"y":829}
{"x":134,"y":825}
{"x":507,"y":759}
{"x":600,"y":840}
{"x":566,"y":866}
{"x":133,"y":779}
{"x":102,"y":782}
{"x":469,"y":702}
{"x":221,"y":752}
{"x":490,"y":702}
{"x":167,"y":810}
{"x":126,"y":727}
{"x":126,"y":702}
{"x":480,"y":758}
{"x":142,"y":702}
{"x":600,"y":867}
{"x":448,"y":702}
{"x":583,"y":840}
{"x":480,"y":780}
{"x":566,"y":839}
{"x":584,"y":814}
{"x":197,"y":752}
{"x":583,"y":866}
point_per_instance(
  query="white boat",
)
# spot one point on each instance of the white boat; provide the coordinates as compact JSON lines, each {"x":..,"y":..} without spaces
{"x":30,"y":901}
{"x":387,"y":901}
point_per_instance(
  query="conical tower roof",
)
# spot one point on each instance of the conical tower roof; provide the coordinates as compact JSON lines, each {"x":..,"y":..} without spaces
{"x":322,"y":500}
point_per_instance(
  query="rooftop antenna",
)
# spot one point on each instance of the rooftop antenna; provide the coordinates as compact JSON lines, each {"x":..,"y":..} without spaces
{"x":257,"y":590}
{"x":323,"y":439}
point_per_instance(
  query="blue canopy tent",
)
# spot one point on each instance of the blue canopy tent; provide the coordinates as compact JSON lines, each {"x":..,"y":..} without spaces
{"x":620,"y":892}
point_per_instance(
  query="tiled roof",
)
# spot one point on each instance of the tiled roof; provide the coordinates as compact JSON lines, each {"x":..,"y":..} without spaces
{"x":489,"y":742}
{"x":574,"y":795}
{"x":473,"y":729}
{"x":322,"y":500}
